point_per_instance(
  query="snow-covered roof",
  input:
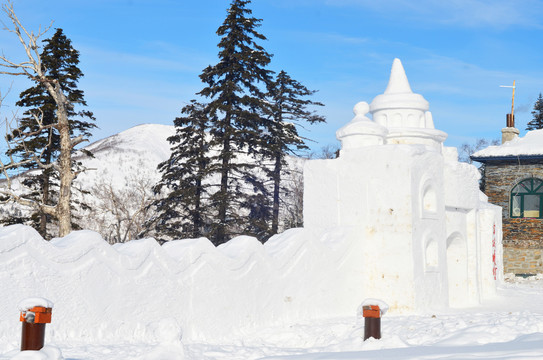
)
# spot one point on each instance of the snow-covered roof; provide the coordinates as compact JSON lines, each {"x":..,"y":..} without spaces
{"x":529,"y":146}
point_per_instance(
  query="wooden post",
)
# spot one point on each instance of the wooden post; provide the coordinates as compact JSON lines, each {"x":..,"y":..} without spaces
{"x":511,"y":117}
{"x":33,"y":332}
{"x":33,"y":336}
{"x":372,"y":321}
{"x":513,"y":105}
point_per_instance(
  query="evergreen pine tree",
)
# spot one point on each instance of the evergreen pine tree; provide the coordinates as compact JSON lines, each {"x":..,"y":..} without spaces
{"x":537,"y":121}
{"x":60,"y":62}
{"x":235,"y":87}
{"x":289,"y":106}
{"x":181,"y":213}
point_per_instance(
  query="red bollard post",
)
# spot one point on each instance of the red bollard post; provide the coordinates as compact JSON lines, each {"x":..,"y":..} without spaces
{"x":33,"y":333}
{"x":372,"y":321}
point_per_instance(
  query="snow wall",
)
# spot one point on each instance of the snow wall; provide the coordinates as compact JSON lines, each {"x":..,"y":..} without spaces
{"x":120,"y":293}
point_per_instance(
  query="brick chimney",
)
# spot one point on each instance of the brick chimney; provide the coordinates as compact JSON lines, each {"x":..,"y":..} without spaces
{"x":510,"y":132}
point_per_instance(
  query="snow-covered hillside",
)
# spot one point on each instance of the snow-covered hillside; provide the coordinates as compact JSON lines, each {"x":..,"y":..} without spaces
{"x":118,"y":182}
{"x":136,"y":151}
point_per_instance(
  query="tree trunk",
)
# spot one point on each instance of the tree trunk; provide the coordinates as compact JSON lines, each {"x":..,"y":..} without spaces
{"x":276,"y":193}
{"x":45,"y":175}
{"x":223,"y":193}
{"x":63,"y":211}
{"x":45,"y":199}
{"x":197,"y":227}
{"x":34,"y":70}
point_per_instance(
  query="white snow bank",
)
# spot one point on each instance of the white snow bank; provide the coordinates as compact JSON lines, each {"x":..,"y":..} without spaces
{"x":115,"y":293}
{"x":133,"y":301}
{"x":530,"y":144}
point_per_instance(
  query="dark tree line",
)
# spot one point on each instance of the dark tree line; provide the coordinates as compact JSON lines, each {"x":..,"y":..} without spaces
{"x":537,"y":115}
{"x":223,"y":177}
{"x":225,"y":173}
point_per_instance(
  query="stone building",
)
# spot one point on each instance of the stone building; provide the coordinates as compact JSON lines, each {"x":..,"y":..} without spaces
{"x":514,"y":180}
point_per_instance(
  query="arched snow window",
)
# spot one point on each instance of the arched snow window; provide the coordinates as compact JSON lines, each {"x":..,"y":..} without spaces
{"x":429,"y":201}
{"x":527,"y":199}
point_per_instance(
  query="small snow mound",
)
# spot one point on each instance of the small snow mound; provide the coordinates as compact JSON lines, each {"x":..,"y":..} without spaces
{"x":138,"y":247}
{"x":29,"y":303}
{"x":240,"y":245}
{"x":383,"y":306}
{"x":47,"y":353}
{"x":166,"y":331}
{"x":191,"y":248}
{"x":77,"y":239}
{"x":13,"y":236}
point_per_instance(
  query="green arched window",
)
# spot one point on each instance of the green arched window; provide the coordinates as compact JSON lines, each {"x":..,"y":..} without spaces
{"x":527,"y":199}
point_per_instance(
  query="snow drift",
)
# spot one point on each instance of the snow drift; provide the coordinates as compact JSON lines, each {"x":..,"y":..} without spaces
{"x":111,"y":293}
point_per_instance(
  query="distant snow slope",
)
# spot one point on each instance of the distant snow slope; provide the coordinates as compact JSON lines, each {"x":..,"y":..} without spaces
{"x":137,"y":150}
{"x":118,"y":183}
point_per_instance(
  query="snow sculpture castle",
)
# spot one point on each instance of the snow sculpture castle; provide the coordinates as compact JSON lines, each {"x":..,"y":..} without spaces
{"x":429,"y":238}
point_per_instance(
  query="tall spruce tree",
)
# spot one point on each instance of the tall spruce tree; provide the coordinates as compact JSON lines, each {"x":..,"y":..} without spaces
{"x":236,"y":88}
{"x":537,"y":115}
{"x":183,"y":212}
{"x":290,"y":106}
{"x":59,"y":61}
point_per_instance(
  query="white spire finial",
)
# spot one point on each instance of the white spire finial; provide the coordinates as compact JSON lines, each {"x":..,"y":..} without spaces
{"x":398,"y":82}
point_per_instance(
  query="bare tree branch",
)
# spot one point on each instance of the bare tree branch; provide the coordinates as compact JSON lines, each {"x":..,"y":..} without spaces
{"x":33,"y":69}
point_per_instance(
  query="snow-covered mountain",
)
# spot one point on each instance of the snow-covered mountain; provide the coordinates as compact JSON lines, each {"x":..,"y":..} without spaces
{"x":117,"y":184}
{"x":136,"y":151}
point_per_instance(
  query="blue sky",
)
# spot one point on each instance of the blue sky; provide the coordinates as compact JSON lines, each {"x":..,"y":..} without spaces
{"x":141,"y":59}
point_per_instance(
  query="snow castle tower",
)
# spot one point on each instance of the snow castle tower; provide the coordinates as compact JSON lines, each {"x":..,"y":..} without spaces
{"x":426,"y":232}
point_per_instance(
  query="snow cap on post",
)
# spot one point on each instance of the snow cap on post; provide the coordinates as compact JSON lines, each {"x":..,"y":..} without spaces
{"x":380,"y":304}
{"x":35,"y":310}
{"x":29,"y":303}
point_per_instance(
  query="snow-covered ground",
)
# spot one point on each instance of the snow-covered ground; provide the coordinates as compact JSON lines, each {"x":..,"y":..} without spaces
{"x":507,"y":327}
{"x":135,"y":301}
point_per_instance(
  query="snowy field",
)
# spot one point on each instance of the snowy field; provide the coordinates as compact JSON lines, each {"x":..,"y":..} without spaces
{"x":507,"y":327}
